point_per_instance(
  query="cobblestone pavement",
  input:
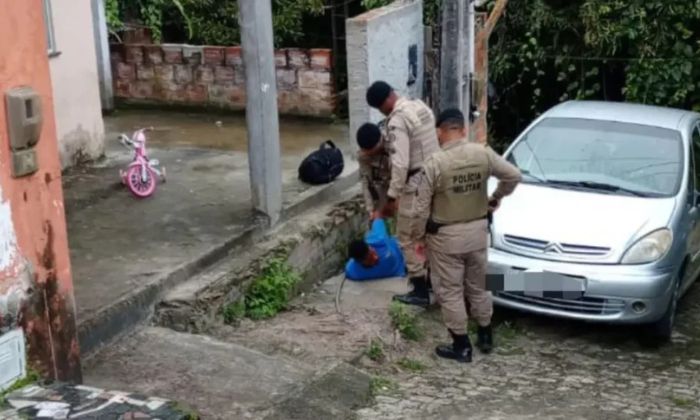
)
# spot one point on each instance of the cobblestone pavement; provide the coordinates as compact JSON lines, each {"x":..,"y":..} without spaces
{"x":545,"y":368}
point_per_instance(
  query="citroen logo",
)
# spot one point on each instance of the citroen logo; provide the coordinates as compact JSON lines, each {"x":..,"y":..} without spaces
{"x":552,"y":248}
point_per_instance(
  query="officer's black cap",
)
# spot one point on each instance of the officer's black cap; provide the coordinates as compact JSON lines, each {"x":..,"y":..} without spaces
{"x":378,"y":93}
{"x":368,"y":136}
{"x":452,"y":116}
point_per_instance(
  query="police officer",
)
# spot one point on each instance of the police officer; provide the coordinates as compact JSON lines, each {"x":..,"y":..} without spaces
{"x":375,"y":172}
{"x":453,"y":201}
{"x":410,"y":137}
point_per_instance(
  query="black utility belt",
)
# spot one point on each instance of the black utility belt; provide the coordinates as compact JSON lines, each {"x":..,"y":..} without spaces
{"x":433,"y":227}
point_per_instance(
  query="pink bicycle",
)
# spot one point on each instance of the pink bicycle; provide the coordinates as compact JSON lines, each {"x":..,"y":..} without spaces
{"x":142,"y":173}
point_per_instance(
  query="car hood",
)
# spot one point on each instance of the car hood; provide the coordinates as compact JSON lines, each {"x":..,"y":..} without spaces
{"x":574,"y":225}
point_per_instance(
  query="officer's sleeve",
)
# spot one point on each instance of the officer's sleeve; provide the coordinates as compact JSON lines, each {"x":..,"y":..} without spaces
{"x":508,"y":175}
{"x":400,"y":155}
{"x":424,"y":199}
{"x":365,"y":175}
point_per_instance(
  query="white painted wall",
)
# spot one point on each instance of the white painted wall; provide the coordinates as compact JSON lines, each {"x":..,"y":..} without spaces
{"x":378,"y":45}
{"x":74,"y":76}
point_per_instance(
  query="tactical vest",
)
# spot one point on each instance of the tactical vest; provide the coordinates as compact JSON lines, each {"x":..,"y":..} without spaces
{"x":461,"y":194}
{"x":420,"y":121}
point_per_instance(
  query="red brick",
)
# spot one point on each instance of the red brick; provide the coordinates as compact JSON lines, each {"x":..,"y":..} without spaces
{"x":234,"y":56}
{"x":183,"y":73}
{"x":133,"y":54}
{"x":224,"y":74}
{"x":172,"y":54}
{"x":204,"y":75}
{"x":154,"y":54}
{"x":164,"y":72}
{"x":126,"y":71}
{"x":116,"y":51}
{"x":297,"y":58}
{"x":122,"y":88}
{"x":171,"y":92}
{"x":281,"y":58}
{"x":321,"y":59}
{"x":145,"y":72}
{"x":286,"y":79}
{"x":197,"y":94}
{"x":142,"y":89}
{"x":214,"y":55}
{"x":311,"y":79}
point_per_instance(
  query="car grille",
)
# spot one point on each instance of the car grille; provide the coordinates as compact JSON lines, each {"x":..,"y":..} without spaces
{"x":554,"y":248}
{"x":582,"y":305}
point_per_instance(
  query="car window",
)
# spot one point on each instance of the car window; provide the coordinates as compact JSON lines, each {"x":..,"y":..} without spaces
{"x":696,"y":154}
{"x":645,"y":159}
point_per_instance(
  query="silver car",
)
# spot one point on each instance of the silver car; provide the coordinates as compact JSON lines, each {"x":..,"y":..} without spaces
{"x":604,"y":226}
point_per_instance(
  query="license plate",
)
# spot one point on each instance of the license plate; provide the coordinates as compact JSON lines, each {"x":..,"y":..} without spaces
{"x":544,"y":284}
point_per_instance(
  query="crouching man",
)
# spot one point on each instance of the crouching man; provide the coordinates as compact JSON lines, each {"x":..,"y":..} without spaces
{"x":453,"y":207}
{"x":378,"y":256}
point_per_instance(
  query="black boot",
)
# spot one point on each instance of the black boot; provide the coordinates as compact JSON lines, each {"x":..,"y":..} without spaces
{"x":485,"y":339}
{"x":419,"y":296}
{"x":460,"y":349}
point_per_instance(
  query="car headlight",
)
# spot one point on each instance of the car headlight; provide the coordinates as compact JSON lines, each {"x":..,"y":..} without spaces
{"x":650,"y":248}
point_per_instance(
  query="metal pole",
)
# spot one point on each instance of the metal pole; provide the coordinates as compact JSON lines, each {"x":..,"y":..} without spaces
{"x":255,"y":20}
{"x":104,"y":65}
{"x":452,"y":54}
{"x":470,"y":62}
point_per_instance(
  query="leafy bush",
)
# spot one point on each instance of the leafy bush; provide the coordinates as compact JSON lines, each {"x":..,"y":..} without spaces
{"x":270,"y":292}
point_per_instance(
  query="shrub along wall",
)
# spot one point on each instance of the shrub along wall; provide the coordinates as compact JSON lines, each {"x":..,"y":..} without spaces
{"x":174,"y":74}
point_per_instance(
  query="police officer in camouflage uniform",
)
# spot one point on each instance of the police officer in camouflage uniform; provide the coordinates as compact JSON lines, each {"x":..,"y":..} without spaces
{"x":410,"y":138}
{"x":375,"y":170}
{"x":453,"y":206}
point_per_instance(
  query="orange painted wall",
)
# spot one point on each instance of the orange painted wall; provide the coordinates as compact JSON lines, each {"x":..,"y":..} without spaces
{"x":36,"y":202}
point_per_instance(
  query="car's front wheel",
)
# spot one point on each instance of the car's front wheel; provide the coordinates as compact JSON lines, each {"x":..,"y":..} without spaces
{"x":660,"y":331}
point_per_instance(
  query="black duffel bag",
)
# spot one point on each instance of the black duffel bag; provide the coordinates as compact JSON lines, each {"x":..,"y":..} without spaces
{"x":323,"y":165}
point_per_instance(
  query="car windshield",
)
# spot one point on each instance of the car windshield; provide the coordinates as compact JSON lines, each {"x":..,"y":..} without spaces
{"x":617,"y":158}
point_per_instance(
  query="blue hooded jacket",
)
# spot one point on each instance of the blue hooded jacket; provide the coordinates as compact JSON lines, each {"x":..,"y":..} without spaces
{"x":391,"y":262}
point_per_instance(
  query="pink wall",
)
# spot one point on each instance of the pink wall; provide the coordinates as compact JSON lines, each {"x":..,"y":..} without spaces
{"x":36,"y":289}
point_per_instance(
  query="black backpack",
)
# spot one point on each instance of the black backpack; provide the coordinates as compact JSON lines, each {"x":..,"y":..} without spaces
{"x":323,"y":165}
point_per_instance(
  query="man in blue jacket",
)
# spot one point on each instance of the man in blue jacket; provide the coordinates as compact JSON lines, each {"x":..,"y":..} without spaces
{"x":378,"y":256}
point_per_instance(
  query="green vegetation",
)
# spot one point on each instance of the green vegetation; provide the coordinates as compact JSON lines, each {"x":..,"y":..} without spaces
{"x":375,"y":351}
{"x":380,"y":385}
{"x":406,"y":321}
{"x":411,"y":365}
{"x":268,"y":294}
{"x":683,"y":402}
{"x":32,"y":377}
{"x":271,"y":291}
{"x":507,"y":331}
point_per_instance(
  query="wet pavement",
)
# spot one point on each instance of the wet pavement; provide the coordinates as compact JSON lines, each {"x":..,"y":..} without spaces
{"x":121,"y":246}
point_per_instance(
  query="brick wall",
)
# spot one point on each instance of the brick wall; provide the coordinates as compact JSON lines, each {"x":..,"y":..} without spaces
{"x":214,"y":76}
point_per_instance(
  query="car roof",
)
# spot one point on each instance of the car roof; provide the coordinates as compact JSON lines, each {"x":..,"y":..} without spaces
{"x":626,"y":112}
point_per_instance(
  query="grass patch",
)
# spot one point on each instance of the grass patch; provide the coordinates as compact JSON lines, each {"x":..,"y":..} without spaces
{"x":683,"y":402}
{"x":234,"y":312}
{"x":187,"y":412}
{"x":405,"y":321}
{"x":411,"y":365}
{"x":375,"y":351}
{"x":379,"y":385}
{"x":268,"y":295}
{"x":507,"y":331}
{"x":32,"y":377}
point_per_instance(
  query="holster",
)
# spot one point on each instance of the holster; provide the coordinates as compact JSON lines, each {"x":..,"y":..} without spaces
{"x":432,"y":227}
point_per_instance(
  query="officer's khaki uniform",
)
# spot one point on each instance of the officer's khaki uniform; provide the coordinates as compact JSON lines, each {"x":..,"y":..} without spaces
{"x":375,"y":173}
{"x":410,"y":139}
{"x":453,"y":193}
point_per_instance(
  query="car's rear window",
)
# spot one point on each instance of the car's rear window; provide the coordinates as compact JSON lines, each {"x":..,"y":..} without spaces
{"x":640,"y":158}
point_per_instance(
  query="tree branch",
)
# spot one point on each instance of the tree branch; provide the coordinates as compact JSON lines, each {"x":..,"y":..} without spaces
{"x":495,"y":15}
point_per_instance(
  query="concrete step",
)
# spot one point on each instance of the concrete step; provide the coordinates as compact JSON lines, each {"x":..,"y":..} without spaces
{"x":314,"y":244}
{"x":223,"y":380}
{"x":123,"y":314}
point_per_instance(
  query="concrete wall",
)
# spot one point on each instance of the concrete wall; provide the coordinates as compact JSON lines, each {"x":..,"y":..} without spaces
{"x":76,"y":84}
{"x":36,"y":289}
{"x":378,"y":48}
{"x":214,"y":76}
